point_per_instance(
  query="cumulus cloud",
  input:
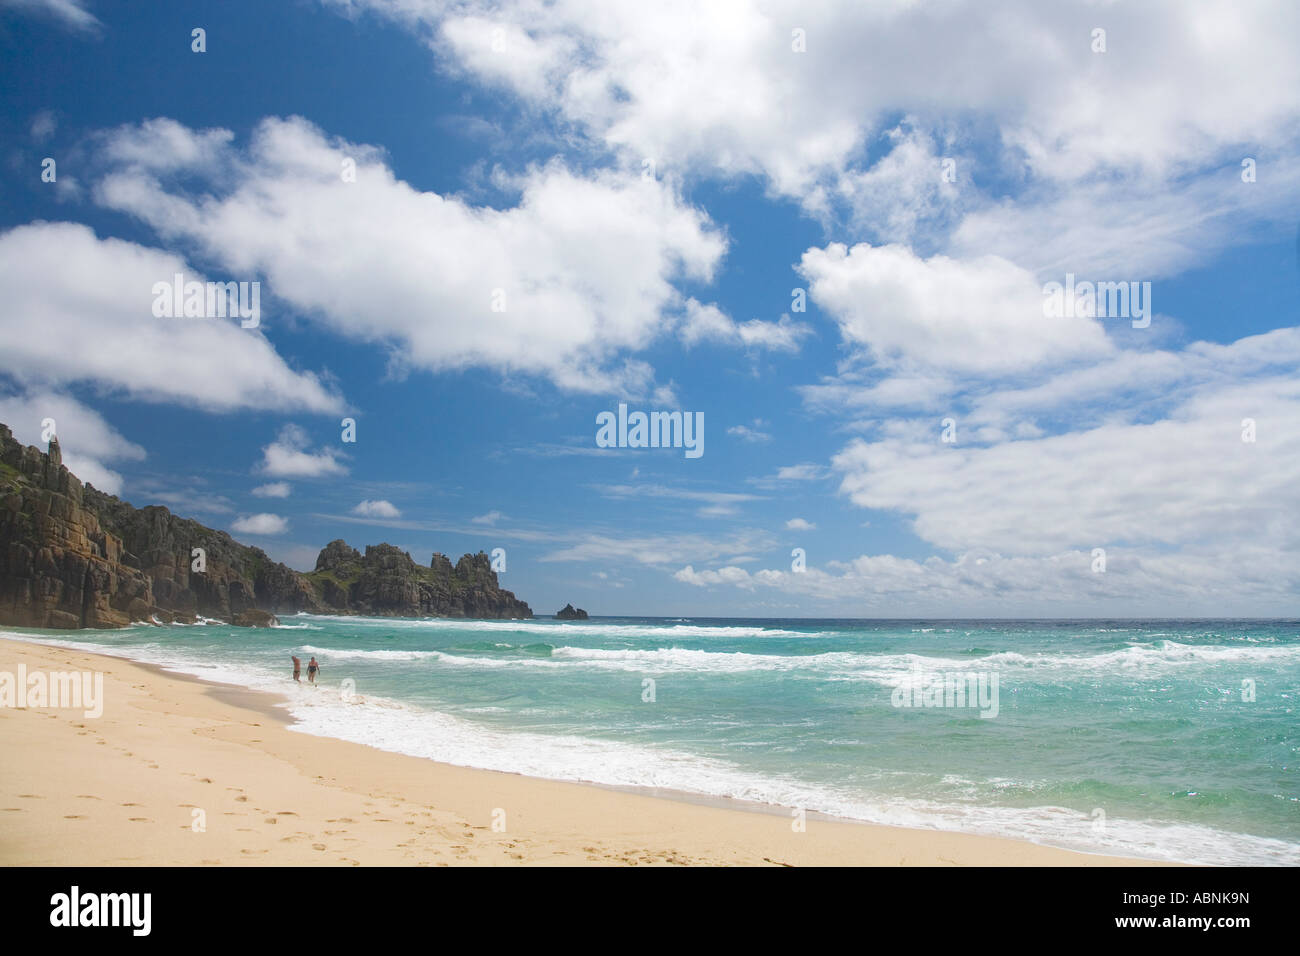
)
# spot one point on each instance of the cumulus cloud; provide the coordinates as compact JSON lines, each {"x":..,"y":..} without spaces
{"x":289,"y":456}
{"x":377,"y":509}
{"x":980,"y":316}
{"x":800,"y":524}
{"x":79,"y":309}
{"x":562,"y":284}
{"x":1184,"y":480}
{"x":1125,"y":159}
{"x":274,"y":489}
{"x":750,"y":433}
{"x":731,"y":574}
{"x":708,"y":323}
{"x":719,"y":87}
{"x":260,"y":524}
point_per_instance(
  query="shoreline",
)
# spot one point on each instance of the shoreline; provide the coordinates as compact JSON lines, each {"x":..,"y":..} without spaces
{"x":128,"y":788}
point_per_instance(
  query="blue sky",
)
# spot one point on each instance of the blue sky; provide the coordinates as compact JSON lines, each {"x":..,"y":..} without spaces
{"x":648,"y":185}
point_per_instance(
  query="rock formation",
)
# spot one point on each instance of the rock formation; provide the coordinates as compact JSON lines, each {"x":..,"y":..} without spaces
{"x":386,"y":582}
{"x":570,"y":613}
{"x":72,"y":556}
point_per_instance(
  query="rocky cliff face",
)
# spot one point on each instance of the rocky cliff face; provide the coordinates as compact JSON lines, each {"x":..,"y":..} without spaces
{"x":72,"y":556}
{"x":58,"y":566}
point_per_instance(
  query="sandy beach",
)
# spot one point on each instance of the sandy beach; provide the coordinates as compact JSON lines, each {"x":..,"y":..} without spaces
{"x":178,"y":771}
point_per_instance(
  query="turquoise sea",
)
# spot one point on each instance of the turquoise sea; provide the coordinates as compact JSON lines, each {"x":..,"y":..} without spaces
{"x":1174,"y":740}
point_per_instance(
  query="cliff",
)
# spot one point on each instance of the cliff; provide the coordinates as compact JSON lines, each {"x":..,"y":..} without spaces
{"x":72,"y":556}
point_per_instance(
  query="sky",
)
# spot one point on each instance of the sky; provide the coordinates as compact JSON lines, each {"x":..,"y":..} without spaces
{"x":833,"y":232}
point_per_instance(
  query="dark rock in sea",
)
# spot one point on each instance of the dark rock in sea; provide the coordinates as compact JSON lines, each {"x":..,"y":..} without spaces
{"x":72,"y":556}
{"x":253,"y":617}
{"x":571,"y":613}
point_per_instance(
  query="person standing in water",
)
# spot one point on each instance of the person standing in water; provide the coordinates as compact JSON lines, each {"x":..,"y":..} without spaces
{"x":312,"y":668}
{"x":297,"y":667}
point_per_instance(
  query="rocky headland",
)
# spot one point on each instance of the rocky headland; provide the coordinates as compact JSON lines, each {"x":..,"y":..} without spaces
{"x":72,"y":556}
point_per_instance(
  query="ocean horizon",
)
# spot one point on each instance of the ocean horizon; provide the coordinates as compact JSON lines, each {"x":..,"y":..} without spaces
{"x":1158,"y":738}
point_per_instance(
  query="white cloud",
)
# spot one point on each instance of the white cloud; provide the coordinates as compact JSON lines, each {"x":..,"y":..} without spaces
{"x":748,"y":433}
{"x":492,"y":517}
{"x":660,"y":549}
{"x":78,"y":309}
{"x":289,"y":457}
{"x":719,"y":86}
{"x":1182,"y":481}
{"x":43,"y":125}
{"x":377,"y":509}
{"x":71,"y":13}
{"x":732,"y":575}
{"x":708,"y":323}
{"x":788,"y":474}
{"x":980,"y":316}
{"x":715,"y":503}
{"x":800,"y":524}
{"x":1123,"y":159}
{"x":982,"y":582}
{"x":580,"y":271}
{"x":260,"y":524}
{"x":1140,"y":228}
{"x":274,"y":489}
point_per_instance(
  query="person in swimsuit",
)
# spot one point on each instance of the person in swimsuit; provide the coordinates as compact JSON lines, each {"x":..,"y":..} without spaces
{"x":297,"y":667}
{"x":312,"y":668}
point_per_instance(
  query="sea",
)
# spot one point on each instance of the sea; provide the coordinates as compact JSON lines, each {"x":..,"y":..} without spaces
{"x":1163,"y":739}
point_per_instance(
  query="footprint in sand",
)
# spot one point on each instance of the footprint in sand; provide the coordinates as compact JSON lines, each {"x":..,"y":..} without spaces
{"x":140,"y":820}
{"x":318,"y":846}
{"x":88,"y":796}
{"x":73,"y":816}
